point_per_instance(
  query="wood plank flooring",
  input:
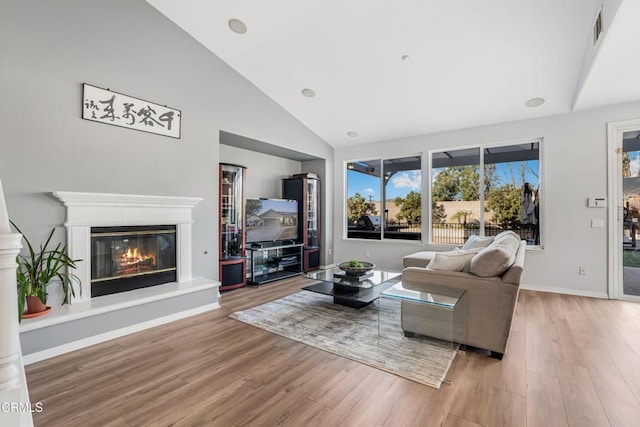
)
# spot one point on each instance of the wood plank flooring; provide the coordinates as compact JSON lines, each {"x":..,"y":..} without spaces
{"x":571,"y":361}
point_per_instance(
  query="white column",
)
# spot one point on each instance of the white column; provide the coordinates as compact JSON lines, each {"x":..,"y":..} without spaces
{"x":9,"y":334}
{"x":13,"y":384}
{"x":183,"y":252}
{"x":79,"y":247}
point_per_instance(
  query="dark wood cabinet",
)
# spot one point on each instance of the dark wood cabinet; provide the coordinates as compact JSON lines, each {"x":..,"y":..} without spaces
{"x":232,"y":263}
{"x":305,"y":189}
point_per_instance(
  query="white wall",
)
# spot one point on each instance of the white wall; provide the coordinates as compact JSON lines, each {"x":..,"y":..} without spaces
{"x":610,"y":9}
{"x":574,"y":167}
{"x":50,"y":48}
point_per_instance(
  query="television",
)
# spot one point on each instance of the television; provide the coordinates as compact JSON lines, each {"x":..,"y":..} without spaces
{"x":270,"y":220}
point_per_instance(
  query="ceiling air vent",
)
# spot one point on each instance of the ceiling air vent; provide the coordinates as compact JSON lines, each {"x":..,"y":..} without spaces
{"x":597,"y":27}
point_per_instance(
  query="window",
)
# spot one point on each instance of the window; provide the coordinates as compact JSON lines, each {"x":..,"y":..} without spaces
{"x":484,"y":191}
{"x":384,"y":199}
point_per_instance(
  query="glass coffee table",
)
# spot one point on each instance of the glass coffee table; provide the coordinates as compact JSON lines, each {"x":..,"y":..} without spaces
{"x":350,"y":291}
{"x":425,"y":327}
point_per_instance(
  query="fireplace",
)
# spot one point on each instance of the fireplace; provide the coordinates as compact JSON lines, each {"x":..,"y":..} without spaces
{"x":122,"y":236}
{"x":125,"y":258}
{"x":87,"y":212}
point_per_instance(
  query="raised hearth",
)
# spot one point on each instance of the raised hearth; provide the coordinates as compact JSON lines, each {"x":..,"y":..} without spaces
{"x":123,"y":228}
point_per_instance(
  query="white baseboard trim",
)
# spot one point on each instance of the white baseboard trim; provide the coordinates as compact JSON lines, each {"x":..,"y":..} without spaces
{"x":566,"y":291}
{"x":116,"y":333}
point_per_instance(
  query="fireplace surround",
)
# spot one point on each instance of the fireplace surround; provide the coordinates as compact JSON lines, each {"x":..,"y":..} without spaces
{"x":92,"y":213}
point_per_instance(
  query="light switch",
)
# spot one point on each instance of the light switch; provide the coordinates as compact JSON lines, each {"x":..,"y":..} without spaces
{"x":597,"y":223}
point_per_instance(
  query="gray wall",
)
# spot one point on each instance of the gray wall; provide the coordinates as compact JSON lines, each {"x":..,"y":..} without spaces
{"x":319,"y":167}
{"x":264,"y":172}
{"x":50,"y":48}
{"x":80,"y":329}
{"x":573,"y":167}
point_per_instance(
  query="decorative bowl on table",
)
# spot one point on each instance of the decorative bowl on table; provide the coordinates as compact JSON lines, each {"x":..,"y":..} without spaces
{"x":356,"y":268}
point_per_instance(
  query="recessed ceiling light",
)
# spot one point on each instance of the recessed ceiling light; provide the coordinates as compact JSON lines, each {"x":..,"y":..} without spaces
{"x":309,"y":93}
{"x":535,"y":102}
{"x":404,"y":57}
{"x":353,"y":134}
{"x":237,"y":26}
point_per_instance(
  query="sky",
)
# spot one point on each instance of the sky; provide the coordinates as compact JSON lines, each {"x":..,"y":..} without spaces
{"x":404,"y":182}
{"x":505,"y":174}
{"x":400,"y":184}
{"x":634,"y":164}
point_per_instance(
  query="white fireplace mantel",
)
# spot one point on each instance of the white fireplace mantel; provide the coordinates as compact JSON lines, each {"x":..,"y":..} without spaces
{"x":86,"y":210}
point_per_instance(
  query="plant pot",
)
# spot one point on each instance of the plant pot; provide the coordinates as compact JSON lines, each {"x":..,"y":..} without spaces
{"x":35,"y":305}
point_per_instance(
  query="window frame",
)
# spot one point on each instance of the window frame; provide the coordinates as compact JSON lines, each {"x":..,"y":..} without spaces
{"x":381,"y":160}
{"x":481,"y":163}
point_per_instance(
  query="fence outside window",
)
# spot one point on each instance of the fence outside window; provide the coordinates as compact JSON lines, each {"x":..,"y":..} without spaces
{"x":453,"y":233}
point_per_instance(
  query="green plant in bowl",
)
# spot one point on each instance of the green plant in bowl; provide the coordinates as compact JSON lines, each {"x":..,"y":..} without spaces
{"x":355,"y":267}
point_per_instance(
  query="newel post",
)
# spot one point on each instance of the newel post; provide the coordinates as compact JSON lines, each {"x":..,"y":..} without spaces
{"x":10,"y":244}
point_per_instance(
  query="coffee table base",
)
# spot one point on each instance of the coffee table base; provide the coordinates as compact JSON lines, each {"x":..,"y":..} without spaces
{"x":350,"y":302}
{"x":357,"y":299}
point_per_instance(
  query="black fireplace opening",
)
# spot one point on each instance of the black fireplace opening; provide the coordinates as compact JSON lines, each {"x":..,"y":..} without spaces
{"x":132,"y":257}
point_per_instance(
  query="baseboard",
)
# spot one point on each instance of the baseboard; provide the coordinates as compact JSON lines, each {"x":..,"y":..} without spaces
{"x":566,"y":291}
{"x":117,"y":333}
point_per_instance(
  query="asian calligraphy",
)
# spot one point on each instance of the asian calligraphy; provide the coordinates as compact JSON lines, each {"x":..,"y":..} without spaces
{"x":109,"y":107}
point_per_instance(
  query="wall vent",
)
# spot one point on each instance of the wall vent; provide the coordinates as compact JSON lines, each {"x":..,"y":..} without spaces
{"x":597,"y":27}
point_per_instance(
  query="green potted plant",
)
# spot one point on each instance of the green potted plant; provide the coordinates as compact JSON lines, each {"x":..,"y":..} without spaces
{"x":37,"y":270}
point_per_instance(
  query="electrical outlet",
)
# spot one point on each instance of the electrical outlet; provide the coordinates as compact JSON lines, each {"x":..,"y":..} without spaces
{"x":330,"y":251}
{"x":366,"y":253}
{"x":582,"y":271}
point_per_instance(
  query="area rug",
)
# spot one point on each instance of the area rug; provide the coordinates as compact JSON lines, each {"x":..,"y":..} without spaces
{"x":371,"y":335}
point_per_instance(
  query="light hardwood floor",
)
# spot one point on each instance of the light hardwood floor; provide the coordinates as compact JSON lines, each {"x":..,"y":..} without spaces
{"x":571,"y":361}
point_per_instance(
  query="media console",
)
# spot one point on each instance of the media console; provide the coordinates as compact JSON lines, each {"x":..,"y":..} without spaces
{"x":274,"y":261}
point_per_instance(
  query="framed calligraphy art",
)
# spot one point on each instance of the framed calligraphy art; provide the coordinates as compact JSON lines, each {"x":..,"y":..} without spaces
{"x":113,"y":108}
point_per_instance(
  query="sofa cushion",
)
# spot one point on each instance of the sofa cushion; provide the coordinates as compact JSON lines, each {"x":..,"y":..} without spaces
{"x":418,"y":259}
{"x":477,"y":242}
{"x":455,"y":260}
{"x":505,"y":234}
{"x":496,"y":258}
{"x":472,"y":252}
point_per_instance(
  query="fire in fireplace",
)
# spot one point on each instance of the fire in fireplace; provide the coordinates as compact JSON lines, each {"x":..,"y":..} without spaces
{"x":134,"y":262}
{"x":127,"y":258}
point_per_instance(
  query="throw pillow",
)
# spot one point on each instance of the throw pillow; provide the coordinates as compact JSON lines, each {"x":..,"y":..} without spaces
{"x":496,"y":258}
{"x":477,"y":242}
{"x":455,"y":260}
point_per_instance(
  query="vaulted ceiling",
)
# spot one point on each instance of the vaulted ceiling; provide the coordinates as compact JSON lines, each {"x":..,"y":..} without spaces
{"x":385,"y":69}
